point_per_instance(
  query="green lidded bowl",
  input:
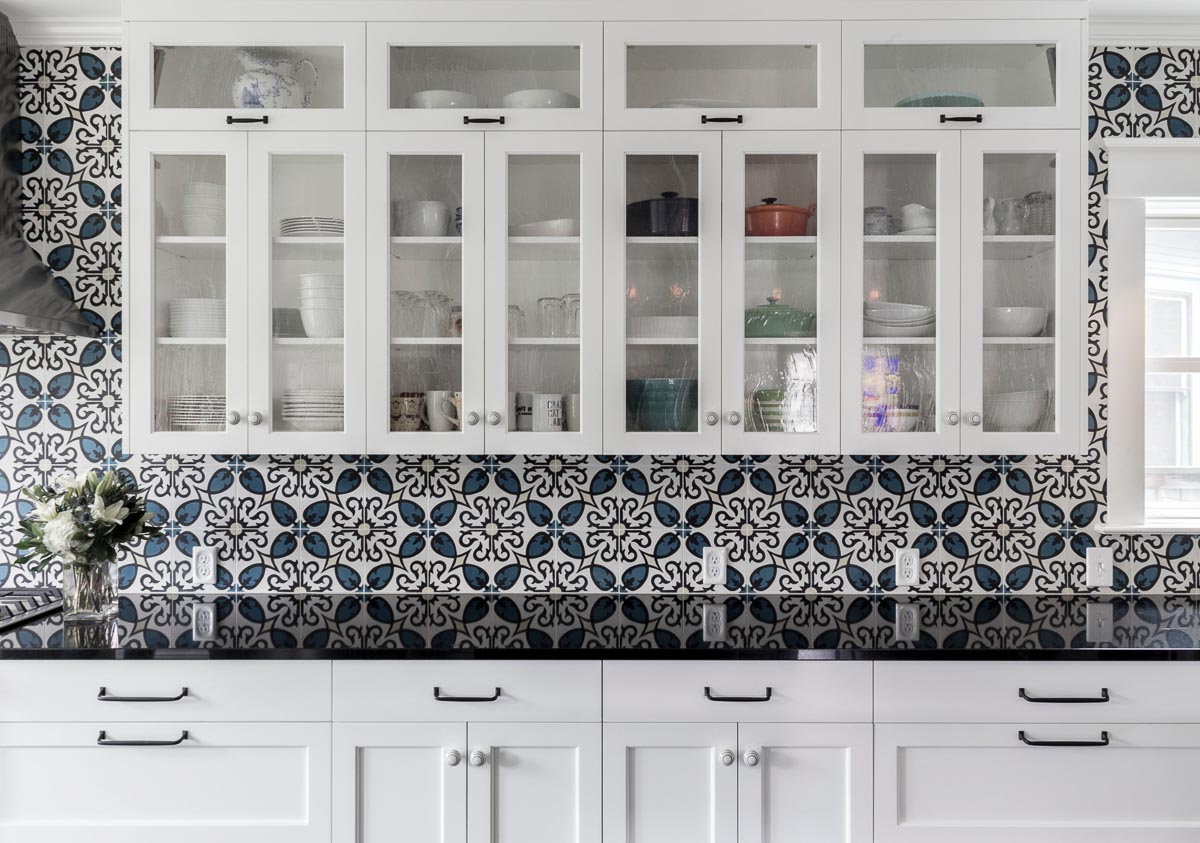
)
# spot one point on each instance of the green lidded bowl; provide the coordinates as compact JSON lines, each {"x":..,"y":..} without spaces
{"x":774,"y":320}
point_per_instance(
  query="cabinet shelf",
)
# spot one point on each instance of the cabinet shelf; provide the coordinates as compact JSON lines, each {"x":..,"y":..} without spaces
{"x":544,"y":341}
{"x":1019,"y":340}
{"x":191,"y":247}
{"x":900,"y":247}
{"x":191,"y":340}
{"x":309,"y":341}
{"x":899,"y":340}
{"x":426,"y":248}
{"x":1017,"y":247}
{"x":427,"y":341}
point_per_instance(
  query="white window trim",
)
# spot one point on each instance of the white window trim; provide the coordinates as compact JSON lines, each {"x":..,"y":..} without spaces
{"x":1139,"y":169}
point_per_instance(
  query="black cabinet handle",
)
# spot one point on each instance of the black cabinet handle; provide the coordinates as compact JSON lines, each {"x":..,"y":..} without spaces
{"x":103,"y":696}
{"x":1103,"y":698}
{"x":704,"y":118}
{"x":1102,"y":742}
{"x":978,"y":118}
{"x":469,"y":120}
{"x":230,"y":119}
{"x":103,"y":740}
{"x":708,"y":694}
{"x":437,"y":695}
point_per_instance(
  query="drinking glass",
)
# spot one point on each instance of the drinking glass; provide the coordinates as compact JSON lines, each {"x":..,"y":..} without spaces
{"x":550,"y":316}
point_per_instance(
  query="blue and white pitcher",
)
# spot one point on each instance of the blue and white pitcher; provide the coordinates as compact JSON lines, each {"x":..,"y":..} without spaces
{"x":272,"y":80}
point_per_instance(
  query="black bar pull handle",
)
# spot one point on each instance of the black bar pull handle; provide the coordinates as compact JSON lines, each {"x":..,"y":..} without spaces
{"x":708,"y":694}
{"x":104,"y":696}
{"x":469,"y":120}
{"x":437,"y":695}
{"x":104,"y":740}
{"x":1102,"y":742}
{"x":230,"y":119}
{"x":1103,"y":698}
{"x":704,"y":119}
{"x":978,"y":118}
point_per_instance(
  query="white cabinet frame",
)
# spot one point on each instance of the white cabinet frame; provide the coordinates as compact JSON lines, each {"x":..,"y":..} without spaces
{"x":586,"y":36}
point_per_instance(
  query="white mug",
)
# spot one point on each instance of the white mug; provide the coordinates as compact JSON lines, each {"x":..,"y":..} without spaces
{"x":571,"y":412}
{"x":548,"y":412}
{"x":523,"y":410}
{"x":441,"y":410}
{"x":423,"y":218}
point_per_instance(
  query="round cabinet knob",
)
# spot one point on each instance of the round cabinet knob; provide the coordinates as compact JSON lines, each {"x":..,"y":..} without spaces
{"x":734,"y":418}
{"x":727,"y":757}
{"x":472,"y":418}
{"x":711,"y":418}
{"x":952,"y":419}
{"x":493,"y":418}
{"x":255,"y":419}
{"x":233,"y":417}
{"x":478,"y":758}
{"x":453,"y":758}
{"x":751,"y":758}
{"x":974,"y":419}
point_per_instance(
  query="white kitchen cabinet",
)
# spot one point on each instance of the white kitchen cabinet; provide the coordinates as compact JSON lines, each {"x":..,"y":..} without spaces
{"x":238,"y":782}
{"x":472,"y":75}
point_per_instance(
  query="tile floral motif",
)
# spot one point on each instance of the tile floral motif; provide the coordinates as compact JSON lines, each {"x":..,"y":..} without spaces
{"x":612,"y":530}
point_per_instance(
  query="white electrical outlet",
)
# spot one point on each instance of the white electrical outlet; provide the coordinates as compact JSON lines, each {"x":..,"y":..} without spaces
{"x":908,"y":622}
{"x":714,"y":566}
{"x":714,"y":622}
{"x":908,"y":566}
{"x":1099,"y":567}
{"x":204,"y":622}
{"x":204,"y":566}
{"x":1099,"y":623}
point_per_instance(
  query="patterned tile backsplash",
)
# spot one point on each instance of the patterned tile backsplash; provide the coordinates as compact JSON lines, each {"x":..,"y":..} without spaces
{"x":321,"y":523}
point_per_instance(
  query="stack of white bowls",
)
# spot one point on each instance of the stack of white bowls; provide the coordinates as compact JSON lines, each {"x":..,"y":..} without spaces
{"x":322,"y":304}
{"x":314,"y":409}
{"x":897,"y":319}
{"x":204,"y":209}
{"x":1010,"y":411}
{"x":197,"y":317}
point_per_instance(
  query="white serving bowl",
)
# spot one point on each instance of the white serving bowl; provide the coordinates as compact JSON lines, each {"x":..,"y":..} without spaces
{"x":540,"y":98}
{"x":897,"y":310}
{"x":917,"y":216}
{"x":1007,"y":411}
{"x":546,"y":228}
{"x":203,"y":225}
{"x":675,"y":327}
{"x":1013,"y":321}
{"x":441,"y":99}
{"x":323,"y":322}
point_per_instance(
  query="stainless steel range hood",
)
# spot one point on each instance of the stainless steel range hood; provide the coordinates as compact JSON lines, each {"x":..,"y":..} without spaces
{"x":31,"y":301}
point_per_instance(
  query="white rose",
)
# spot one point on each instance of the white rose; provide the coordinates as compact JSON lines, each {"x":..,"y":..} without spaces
{"x":114,"y":513}
{"x":58,"y":534}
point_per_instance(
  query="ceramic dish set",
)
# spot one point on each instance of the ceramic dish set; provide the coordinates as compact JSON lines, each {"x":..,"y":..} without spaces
{"x":423,"y":218}
{"x":204,"y":209}
{"x":312,"y":227}
{"x":313,"y":409}
{"x":898,"y":319}
{"x":1011,"y":411}
{"x":196,"y":318}
{"x":196,"y":412}
{"x":527,"y":98}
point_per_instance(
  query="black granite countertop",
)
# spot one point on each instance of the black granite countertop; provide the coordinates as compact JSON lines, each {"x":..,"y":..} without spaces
{"x":591,"y":626}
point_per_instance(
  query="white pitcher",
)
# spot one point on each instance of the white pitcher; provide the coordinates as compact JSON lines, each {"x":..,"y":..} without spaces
{"x":989,"y":215}
{"x":271,"y":80}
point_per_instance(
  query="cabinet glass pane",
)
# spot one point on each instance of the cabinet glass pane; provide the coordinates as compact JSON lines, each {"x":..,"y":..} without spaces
{"x":1019,"y":291}
{"x":248,"y":76}
{"x":780,"y":324}
{"x":900,"y":293}
{"x":960,"y":75}
{"x":543,"y":297}
{"x":308,"y":292}
{"x":721,"y":76}
{"x":426,"y":292}
{"x":449,"y":76}
{"x":661,"y":292}
{"x":189,"y":293}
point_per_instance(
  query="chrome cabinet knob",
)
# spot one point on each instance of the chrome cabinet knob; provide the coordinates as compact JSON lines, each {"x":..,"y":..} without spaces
{"x":711,"y":418}
{"x":255,"y":419}
{"x":734,"y":418}
{"x":751,"y":758}
{"x":472,"y":418}
{"x":478,"y":758}
{"x":727,"y":757}
{"x":453,"y":758}
{"x":233,"y":417}
{"x":974,"y":419}
{"x":493,"y":418}
{"x":952,"y":418}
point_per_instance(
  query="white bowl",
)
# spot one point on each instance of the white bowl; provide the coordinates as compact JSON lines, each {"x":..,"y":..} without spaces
{"x":203,"y":225}
{"x":1009,"y":411}
{"x":546,"y":228}
{"x":1013,"y":321}
{"x":917,"y":216}
{"x":441,"y":99}
{"x":675,"y":327}
{"x":540,"y":98}
{"x":900,"y":310}
{"x":880,"y":329}
{"x":323,"y":322}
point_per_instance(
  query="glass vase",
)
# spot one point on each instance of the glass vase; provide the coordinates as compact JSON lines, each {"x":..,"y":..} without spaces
{"x":89,"y":590}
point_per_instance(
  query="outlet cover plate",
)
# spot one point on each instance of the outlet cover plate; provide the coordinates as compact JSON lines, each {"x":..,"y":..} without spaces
{"x":714,"y":566}
{"x":204,"y":622}
{"x":908,"y":622}
{"x":908,"y":567}
{"x":1099,"y":567}
{"x":714,"y":622}
{"x":204,"y":565}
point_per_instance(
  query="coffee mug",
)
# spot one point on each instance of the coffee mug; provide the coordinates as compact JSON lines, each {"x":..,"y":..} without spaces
{"x":407,"y":411}
{"x":523,"y":410}
{"x":441,"y":411}
{"x":548,"y":412}
{"x":571,"y":406}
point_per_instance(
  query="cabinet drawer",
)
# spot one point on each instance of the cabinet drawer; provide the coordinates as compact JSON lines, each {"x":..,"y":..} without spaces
{"x":818,"y":692}
{"x":447,"y":691}
{"x":990,"y":692}
{"x":242,"y":690}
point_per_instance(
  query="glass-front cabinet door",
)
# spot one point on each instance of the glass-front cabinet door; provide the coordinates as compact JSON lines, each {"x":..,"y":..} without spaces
{"x":307,"y":279}
{"x":662,"y":267}
{"x":544,"y":344}
{"x":721,"y":75}
{"x":900,"y":292}
{"x":1021,"y":374}
{"x":425,"y":312}
{"x":187,"y":293}
{"x":780,"y":288}
{"x":278,"y":75}
{"x":922,"y":74}
{"x":493,"y":76}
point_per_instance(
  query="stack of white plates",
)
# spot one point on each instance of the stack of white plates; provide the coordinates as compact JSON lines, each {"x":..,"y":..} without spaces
{"x":897,"y":319}
{"x":322,"y":304}
{"x":204,"y":209}
{"x":314,"y":409}
{"x":312,"y":227}
{"x":196,"y":412}
{"x":197,"y":317}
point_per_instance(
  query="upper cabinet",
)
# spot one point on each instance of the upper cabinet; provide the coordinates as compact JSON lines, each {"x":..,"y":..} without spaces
{"x":521,"y":76}
{"x":721,"y":75}
{"x":922,"y":74}
{"x":297,"y":76}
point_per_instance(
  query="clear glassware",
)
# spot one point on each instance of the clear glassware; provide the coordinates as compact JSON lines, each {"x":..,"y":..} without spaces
{"x":516,"y":321}
{"x":571,"y":314}
{"x":550,"y":316}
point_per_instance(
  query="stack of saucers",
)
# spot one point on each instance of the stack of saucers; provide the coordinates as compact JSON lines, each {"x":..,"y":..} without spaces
{"x":196,"y":412}
{"x":897,"y":319}
{"x":314,"y":409}
{"x":312,"y":227}
{"x":204,"y":209}
{"x":322,"y":304}
{"x":197,"y":317}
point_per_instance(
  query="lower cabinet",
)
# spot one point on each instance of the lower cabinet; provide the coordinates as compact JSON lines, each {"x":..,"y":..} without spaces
{"x":477,"y":782}
{"x":983,"y":783}
{"x":149,"y":783}
{"x":726,"y":782}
